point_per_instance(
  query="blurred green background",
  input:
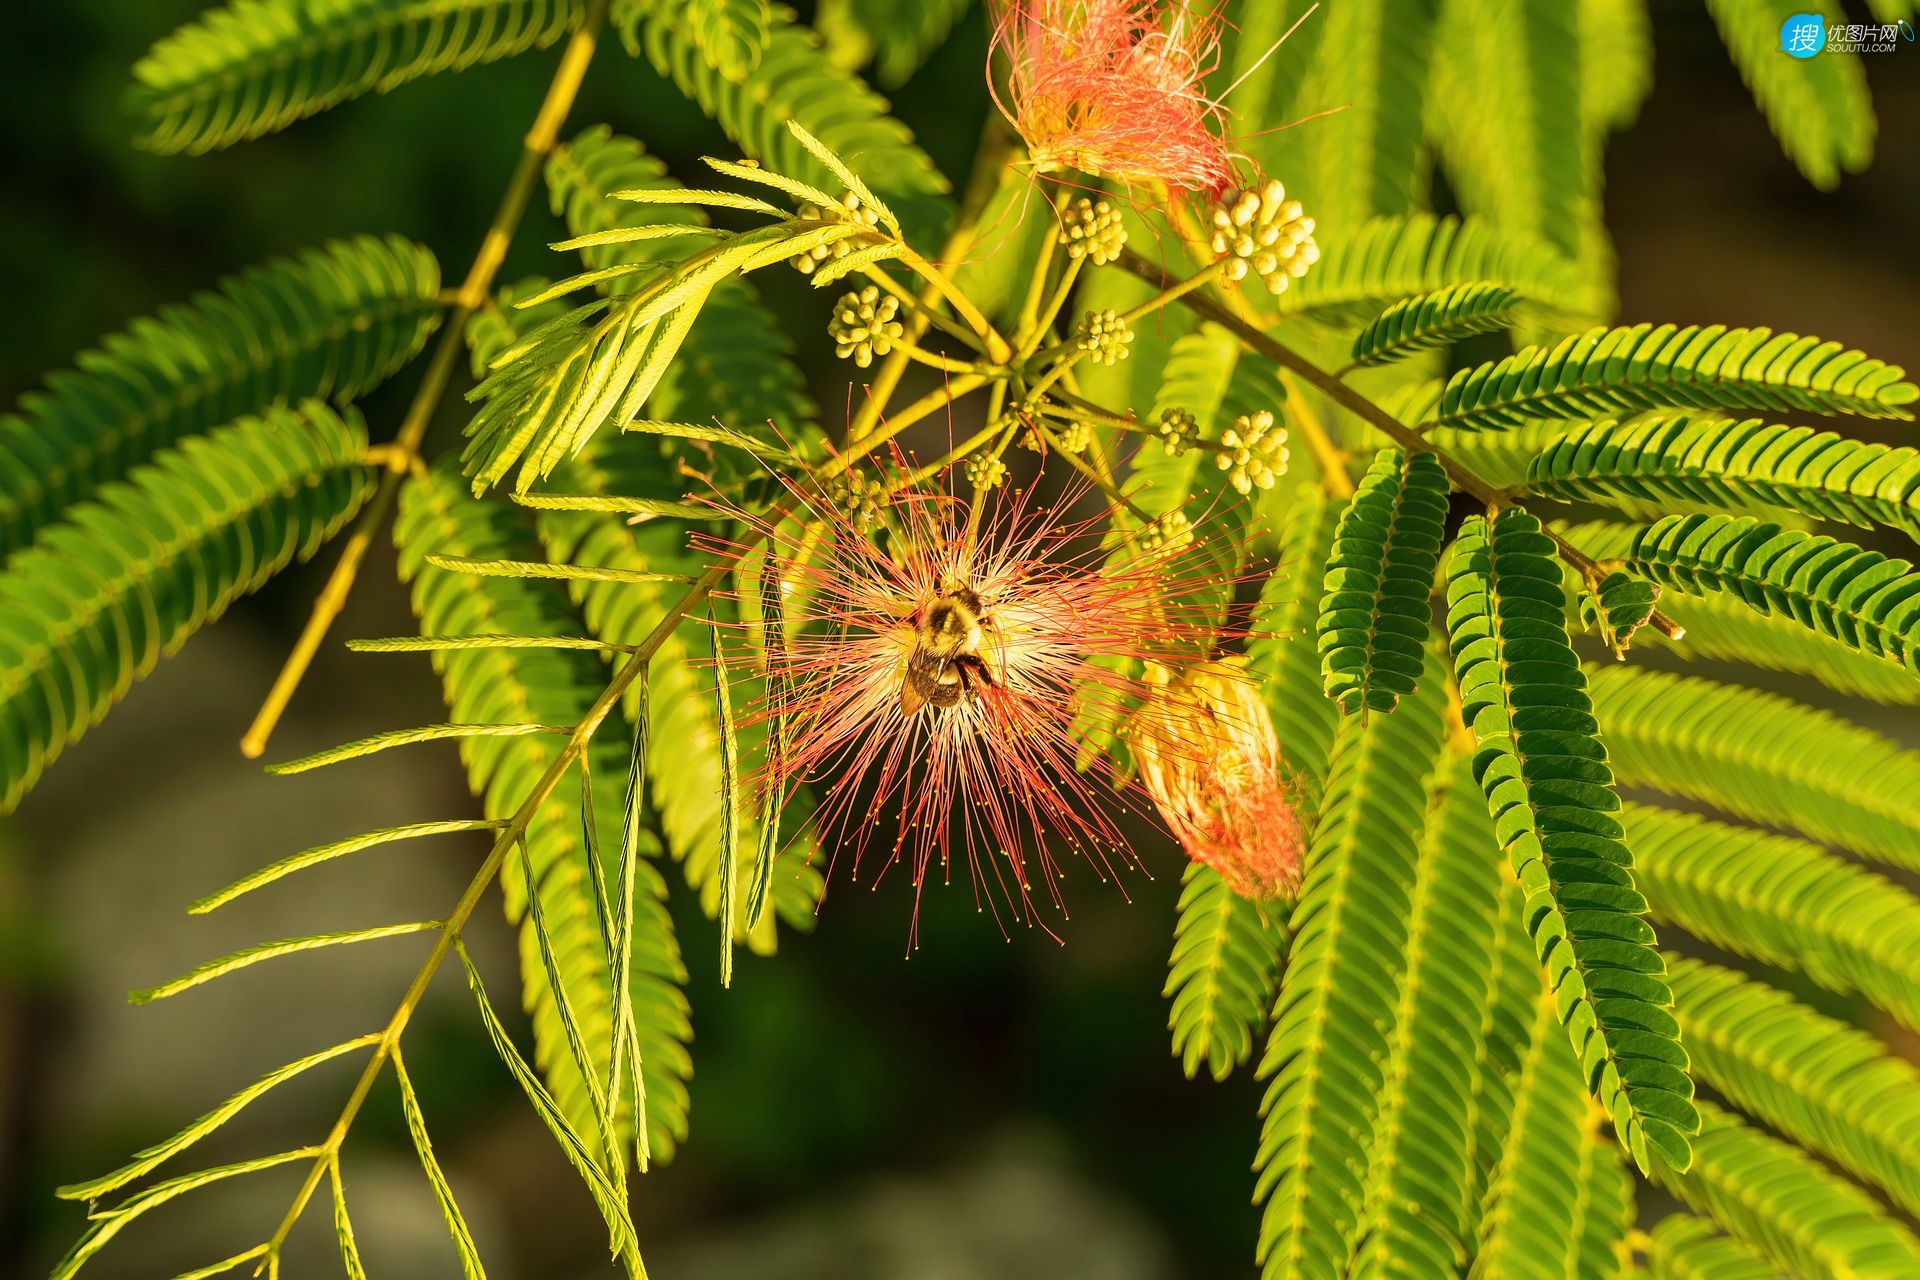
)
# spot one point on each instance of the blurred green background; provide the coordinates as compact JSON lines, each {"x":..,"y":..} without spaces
{"x":985,"y":1108}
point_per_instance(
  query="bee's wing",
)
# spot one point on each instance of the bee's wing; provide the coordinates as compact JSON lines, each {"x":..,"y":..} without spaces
{"x":911,"y":697}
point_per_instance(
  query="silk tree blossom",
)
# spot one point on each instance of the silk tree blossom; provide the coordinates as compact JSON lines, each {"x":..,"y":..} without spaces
{"x":1208,"y":754}
{"x":933,"y":675}
{"x":1116,"y":88}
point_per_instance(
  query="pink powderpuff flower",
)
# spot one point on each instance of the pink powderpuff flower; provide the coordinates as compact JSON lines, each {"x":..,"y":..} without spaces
{"x":1208,"y":754}
{"x":932,"y":685}
{"x":1116,"y":88}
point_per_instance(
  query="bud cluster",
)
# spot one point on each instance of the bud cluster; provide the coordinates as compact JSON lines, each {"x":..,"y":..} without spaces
{"x":858,"y":496}
{"x":1178,"y":427}
{"x":865,"y":324}
{"x":1265,"y":233}
{"x":1170,"y":532}
{"x":984,"y":471}
{"x":1104,"y":336}
{"x":1092,"y":229}
{"x":850,"y":209}
{"x":1253,"y":452}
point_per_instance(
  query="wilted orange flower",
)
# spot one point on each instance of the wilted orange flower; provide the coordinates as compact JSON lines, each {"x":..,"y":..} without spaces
{"x":1209,"y":756}
{"x":1115,"y":88}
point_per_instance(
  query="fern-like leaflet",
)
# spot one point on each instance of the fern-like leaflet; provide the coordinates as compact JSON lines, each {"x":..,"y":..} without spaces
{"x":1550,"y":791}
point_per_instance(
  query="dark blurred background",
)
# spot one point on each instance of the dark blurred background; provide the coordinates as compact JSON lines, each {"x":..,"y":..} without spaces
{"x":986,"y":1108}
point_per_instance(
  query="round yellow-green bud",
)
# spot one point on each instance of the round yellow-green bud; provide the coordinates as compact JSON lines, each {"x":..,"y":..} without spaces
{"x":1168,"y":533}
{"x":858,"y":497}
{"x":1264,"y":233}
{"x":1104,"y":336}
{"x":1178,"y":427}
{"x":1253,"y":452}
{"x":1074,"y":437}
{"x":864,"y":325}
{"x":1092,"y":229}
{"x":849,"y":209}
{"x":984,"y":471}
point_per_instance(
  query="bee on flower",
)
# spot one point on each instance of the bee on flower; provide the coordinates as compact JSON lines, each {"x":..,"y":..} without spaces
{"x":1206,"y":749}
{"x":934,"y":672}
{"x":1115,"y":88}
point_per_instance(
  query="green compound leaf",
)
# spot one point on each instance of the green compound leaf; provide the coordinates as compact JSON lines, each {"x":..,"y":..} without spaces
{"x":1328,"y":1055}
{"x":1759,"y":756}
{"x":1866,"y":601}
{"x":1829,"y":1086}
{"x":1783,"y":902}
{"x":1222,"y":975}
{"x":1612,"y":371}
{"x":343,"y":1224}
{"x":1663,"y":458}
{"x":334,"y":321}
{"x":1818,"y":107}
{"x":896,"y":38}
{"x":731,"y":33}
{"x":683,"y":762}
{"x":1618,"y":607}
{"x":253,"y":955}
{"x":1421,"y":1200}
{"x":737,"y":365}
{"x":1720,"y":626}
{"x":470,"y":1267}
{"x":1684,"y":1247}
{"x":1434,"y":320}
{"x":608,"y":1194}
{"x":145,"y":1162}
{"x":1376,"y":603}
{"x":132,"y":573}
{"x":1387,"y":260}
{"x":1551,"y":795}
{"x":1559,"y":1198}
{"x":1786,"y":1205}
{"x":256,"y":66}
{"x":1282,"y":652}
{"x":108,"y":1223}
{"x":796,"y":81}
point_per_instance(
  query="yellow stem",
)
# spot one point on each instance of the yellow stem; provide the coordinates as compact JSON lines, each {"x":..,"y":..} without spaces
{"x":993,"y":145}
{"x":538,"y":145}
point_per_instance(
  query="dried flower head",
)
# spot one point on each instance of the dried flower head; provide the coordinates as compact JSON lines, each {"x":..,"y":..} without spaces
{"x":1253,"y":452}
{"x":1208,"y":754}
{"x":1115,"y":88}
{"x":934,"y":681}
{"x":1265,"y":233}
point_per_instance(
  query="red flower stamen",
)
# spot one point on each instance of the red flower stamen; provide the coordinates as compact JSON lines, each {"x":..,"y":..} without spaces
{"x":971,"y":750}
{"x":1116,"y":88}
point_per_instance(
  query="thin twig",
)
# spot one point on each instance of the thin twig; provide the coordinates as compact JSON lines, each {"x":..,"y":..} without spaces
{"x":1352,"y":401}
{"x":535,"y":149}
